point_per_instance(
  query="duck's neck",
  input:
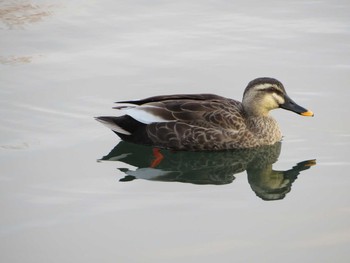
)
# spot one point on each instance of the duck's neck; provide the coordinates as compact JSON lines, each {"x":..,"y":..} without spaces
{"x":265,"y":129}
{"x":255,"y":110}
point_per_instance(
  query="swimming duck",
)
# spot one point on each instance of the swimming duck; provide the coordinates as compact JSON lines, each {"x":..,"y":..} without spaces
{"x":205,"y":122}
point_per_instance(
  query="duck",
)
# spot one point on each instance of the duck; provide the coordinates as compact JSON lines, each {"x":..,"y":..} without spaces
{"x":205,"y":122}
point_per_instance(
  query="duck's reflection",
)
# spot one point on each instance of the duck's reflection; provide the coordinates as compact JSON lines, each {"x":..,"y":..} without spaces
{"x":209,"y":167}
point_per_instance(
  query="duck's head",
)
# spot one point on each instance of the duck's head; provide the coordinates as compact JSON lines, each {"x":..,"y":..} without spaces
{"x":265,"y":94}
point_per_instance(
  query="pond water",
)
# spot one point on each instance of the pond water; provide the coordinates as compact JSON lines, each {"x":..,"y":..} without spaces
{"x":72,"y":192}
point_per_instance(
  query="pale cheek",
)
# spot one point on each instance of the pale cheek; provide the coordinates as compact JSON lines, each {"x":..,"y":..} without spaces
{"x":271,"y":103}
{"x":278,"y":99}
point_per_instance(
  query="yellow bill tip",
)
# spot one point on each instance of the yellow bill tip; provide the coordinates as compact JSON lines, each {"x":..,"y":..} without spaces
{"x":310,"y":163}
{"x":308,"y":113}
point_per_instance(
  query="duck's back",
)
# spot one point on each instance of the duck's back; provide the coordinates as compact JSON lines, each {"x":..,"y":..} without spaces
{"x":198,"y":125}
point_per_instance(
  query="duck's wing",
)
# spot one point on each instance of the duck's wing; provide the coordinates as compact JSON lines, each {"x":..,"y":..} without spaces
{"x":177,"y":97}
{"x":182,"y":122}
{"x":201,"y":109}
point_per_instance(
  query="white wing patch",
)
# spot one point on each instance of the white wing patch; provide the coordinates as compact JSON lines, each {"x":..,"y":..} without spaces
{"x":141,"y":114}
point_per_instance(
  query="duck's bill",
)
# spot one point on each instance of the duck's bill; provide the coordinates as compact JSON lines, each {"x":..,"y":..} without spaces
{"x":289,"y":104}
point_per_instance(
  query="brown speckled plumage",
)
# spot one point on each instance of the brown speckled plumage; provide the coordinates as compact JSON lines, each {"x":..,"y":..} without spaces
{"x":202,"y":122}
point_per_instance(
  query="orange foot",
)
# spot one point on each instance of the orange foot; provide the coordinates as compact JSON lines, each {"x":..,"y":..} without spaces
{"x":158,"y":157}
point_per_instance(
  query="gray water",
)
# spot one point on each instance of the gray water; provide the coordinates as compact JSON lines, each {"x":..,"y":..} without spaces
{"x":67,"y":197}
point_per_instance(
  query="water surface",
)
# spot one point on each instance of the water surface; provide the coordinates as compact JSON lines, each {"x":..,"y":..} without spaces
{"x":63,"y":62}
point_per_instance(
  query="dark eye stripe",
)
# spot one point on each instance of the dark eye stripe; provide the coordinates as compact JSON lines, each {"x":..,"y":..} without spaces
{"x":273,"y":90}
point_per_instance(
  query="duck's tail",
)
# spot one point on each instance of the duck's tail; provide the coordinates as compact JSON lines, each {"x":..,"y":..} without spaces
{"x":127,"y":128}
{"x":114,"y":123}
